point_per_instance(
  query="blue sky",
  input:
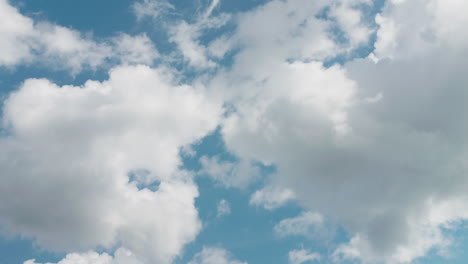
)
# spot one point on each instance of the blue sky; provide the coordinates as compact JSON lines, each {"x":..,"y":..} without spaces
{"x":233,"y":132}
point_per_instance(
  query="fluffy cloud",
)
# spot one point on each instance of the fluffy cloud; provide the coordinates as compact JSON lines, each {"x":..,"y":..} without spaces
{"x":378,"y":144}
{"x":214,"y":256}
{"x":23,"y":40}
{"x":379,"y":147}
{"x":14,"y":31}
{"x":271,"y":197}
{"x":77,"y":160}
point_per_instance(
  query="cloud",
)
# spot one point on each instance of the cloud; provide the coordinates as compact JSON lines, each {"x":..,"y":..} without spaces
{"x":24,"y":41}
{"x":186,"y":36}
{"x":151,"y":8}
{"x":377,"y":144}
{"x":79,"y":158}
{"x":14,"y":32}
{"x":213,"y":5}
{"x":223,"y":209}
{"x":302,"y":256}
{"x":302,"y":225}
{"x":137,"y":49}
{"x":229,"y":174}
{"x":271,"y":197}
{"x":213,"y":255}
{"x":380,"y":168}
{"x":122,"y":256}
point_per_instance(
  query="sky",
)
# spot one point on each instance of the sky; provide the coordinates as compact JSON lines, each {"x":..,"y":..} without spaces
{"x":233,"y":132}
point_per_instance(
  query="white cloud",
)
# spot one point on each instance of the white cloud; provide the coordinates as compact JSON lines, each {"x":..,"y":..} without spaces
{"x":135,"y":49}
{"x":381,"y":168}
{"x":214,"y":256}
{"x":213,"y":5}
{"x":301,"y":256}
{"x":122,"y":256}
{"x":151,"y":8}
{"x":230,"y":174}
{"x":15,"y":30}
{"x":302,"y":225}
{"x":186,"y":37}
{"x":70,"y":150}
{"x":271,"y":197}
{"x":390,"y":169}
{"x":349,"y":20}
{"x":65,"y":47}
{"x":23,"y":40}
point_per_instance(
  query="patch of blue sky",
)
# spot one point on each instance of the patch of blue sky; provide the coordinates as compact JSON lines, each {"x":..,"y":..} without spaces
{"x":247,"y":232}
{"x":16,"y":250}
{"x":103,"y":18}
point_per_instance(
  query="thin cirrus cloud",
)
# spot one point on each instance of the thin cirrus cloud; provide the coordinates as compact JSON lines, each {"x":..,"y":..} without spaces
{"x":376,"y":143}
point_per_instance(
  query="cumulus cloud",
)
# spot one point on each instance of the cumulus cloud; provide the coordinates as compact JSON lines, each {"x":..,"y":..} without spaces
{"x":377,"y":144}
{"x":271,"y":197}
{"x":14,"y":32}
{"x":79,"y":156}
{"x":214,"y":255}
{"x":25,"y":41}
{"x":378,"y":167}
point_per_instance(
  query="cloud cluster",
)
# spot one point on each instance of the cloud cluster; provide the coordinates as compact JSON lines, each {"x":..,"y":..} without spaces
{"x":78,"y":159}
{"x":377,"y":144}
